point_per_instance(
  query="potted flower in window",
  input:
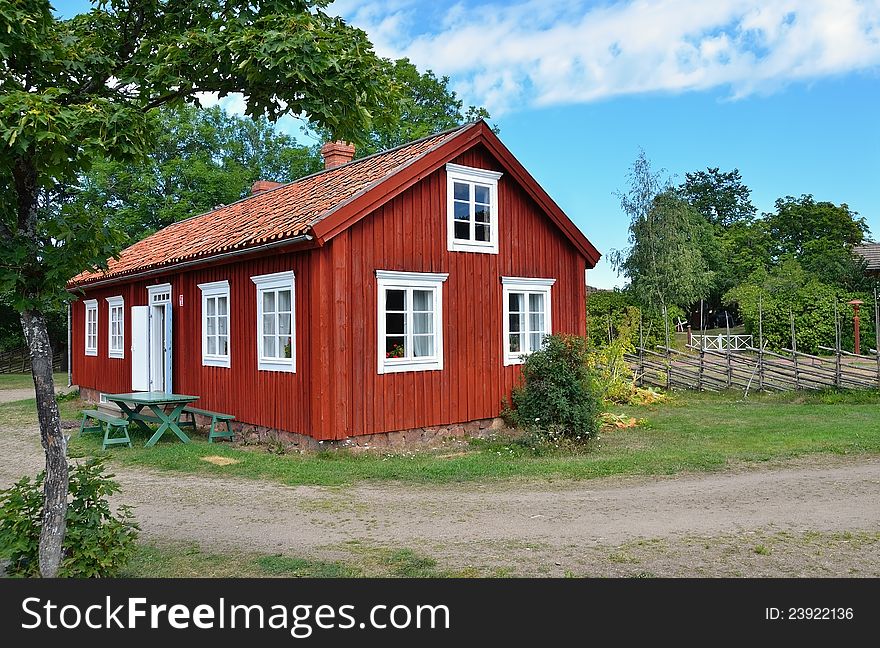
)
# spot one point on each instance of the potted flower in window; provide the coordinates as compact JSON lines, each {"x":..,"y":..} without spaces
{"x":396,"y":351}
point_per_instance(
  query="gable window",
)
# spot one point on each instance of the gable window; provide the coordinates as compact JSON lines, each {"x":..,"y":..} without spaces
{"x":276,"y":338}
{"x":410,"y":322}
{"x":91,"y":327}
{"x":526,"y":316}
{"x":472,"y":209}
{"x":215,"y":324}
{"x":115,"y":321}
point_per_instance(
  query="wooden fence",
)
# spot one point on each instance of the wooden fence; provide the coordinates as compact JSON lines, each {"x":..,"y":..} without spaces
{"x":732,"y":362}
{"x":19,"y":361}
{"x":753,"y":369}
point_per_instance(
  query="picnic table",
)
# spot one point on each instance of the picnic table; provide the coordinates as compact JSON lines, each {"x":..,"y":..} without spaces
{"x":132,"y":405}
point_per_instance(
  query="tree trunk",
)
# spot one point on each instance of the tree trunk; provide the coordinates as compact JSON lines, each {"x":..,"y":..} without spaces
{"x":33,"y":323}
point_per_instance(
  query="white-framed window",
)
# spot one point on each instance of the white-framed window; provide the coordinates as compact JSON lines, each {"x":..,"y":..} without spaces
{"x":472,"y":209}
{"x":526,"y":316}
{"x":91,"y":327}
{"x":116,"y":327}
{"x":215,"y":323}
{"x":276,"y":322}
{"x":410,"y":325}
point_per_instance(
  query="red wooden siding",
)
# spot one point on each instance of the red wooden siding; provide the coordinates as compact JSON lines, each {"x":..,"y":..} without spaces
{"x":409,"y":234}
{"x":336,"y":391}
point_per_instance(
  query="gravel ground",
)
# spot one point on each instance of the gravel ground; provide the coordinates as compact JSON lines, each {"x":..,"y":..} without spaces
{"x":819,"y":516}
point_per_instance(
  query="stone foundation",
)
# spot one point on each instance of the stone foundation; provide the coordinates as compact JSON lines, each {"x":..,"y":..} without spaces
{"x":414,"y":438}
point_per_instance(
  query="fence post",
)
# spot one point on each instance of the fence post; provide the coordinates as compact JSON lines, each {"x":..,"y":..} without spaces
{"x":877,"y":335}
{"x":836,"y":345}
{"x":668,"y":367}
{"x":641,"y":353}
{"x":797,"y":379}
{"x":729,"y":370}
{"x":761,"y":342}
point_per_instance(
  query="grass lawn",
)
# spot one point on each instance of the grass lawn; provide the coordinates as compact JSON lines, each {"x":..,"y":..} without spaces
{"x":359,"y":561}
{"x":22,"y":381}
{"x":696,"y":432}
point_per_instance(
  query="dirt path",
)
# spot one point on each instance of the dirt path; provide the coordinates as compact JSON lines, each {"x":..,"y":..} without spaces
{"x":504,"y":524}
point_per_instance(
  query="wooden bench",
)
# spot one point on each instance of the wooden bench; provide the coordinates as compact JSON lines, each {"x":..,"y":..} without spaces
{"x":108,"y":424}
{"x":214,"y":416}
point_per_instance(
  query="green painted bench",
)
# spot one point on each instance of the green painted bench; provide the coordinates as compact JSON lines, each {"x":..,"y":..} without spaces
{"x":110,"y":425}
{"x":214,"y":416}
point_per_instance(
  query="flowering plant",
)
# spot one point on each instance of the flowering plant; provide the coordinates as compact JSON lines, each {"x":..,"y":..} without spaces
{"x":396,"y":351}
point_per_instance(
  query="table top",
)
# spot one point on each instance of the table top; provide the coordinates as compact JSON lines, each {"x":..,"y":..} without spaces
{"x":151,"y":398}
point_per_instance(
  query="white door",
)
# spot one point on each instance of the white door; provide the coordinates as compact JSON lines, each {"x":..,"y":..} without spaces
{"x":166,"y":348}
{"x":140,"y":348}
{"x":159,"y":328}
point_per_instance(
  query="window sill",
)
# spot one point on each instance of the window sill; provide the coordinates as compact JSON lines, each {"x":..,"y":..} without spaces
{"x":91,"y":353}
{"x":462,"y":246}
{"x":511,"y":360}
{"x":119,"y":355}
{"x":215,"y":362}
{"x":411,"y":365}
{"x":275,"y":365}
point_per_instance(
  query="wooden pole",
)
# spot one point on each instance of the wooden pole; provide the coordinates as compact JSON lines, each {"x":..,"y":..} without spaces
{"x":641,"y":352}
{"x":797,"y":380}
{"x":761,"y":342}
{"x":837,"y":354}
{"x":727,"y":325}
{"x":877,"y":334}
{"x":668,"y":366}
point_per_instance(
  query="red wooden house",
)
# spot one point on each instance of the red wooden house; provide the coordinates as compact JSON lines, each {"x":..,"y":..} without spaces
{"x":397,"y":292}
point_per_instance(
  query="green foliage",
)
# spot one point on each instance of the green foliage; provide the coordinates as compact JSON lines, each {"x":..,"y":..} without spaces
{"x":557,"y":395}
{"x":820,"y":235}
{"x":424,"y":105}
{"x":200,"y":159}
{"x":789,"y":290}
{"x":98,"y":543}
{"x":721,"y":198}
{"x":664,"y":262}
{"x":615,"y":314}
{"x":80,"y":90}
{"x":613,"y":379}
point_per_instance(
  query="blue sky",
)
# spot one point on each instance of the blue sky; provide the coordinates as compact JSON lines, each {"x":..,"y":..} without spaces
{"x":787,"y":91}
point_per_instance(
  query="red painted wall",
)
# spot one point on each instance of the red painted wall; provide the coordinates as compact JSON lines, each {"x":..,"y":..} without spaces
{"x":336,"y":391}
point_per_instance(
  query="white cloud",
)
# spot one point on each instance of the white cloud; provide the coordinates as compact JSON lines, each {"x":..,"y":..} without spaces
{"x":539,"y":53}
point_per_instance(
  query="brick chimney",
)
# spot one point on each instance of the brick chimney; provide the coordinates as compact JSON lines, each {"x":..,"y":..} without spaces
{"x":263,"y":185}
{"x":336,"y":153}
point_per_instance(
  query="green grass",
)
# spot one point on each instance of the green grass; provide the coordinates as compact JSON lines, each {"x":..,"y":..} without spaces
{"x":184,"y":560}
{"x":23,"y":381}
{"x":696,"y":432}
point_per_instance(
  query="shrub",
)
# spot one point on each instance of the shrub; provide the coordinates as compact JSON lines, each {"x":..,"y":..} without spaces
{"x":557,"y":395}
{"x":97,"y":542}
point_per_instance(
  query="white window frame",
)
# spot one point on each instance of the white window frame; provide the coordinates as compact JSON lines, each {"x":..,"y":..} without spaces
{"x":211,"y":290}
{"x":527,"y":285}
{"x":470,"y":175}
{"x":273,"y":282}
{"x":91,"y":307}
{"x":116,"y":303}
{"x":393,"y":280}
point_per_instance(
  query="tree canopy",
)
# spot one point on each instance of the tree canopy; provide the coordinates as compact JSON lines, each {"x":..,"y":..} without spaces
{"x":664,"y":262}
{"x":720,"y":197}
{"x":79,"y":90}
{"x":201,"y":158}
{"x":424,"y":105}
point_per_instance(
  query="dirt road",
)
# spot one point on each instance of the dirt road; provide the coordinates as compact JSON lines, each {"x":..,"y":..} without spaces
{"x":669,"y":525}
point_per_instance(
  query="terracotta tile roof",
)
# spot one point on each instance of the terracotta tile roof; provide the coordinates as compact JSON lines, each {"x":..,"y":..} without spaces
{"x":288,"y":211}
{"x":870,"y":252}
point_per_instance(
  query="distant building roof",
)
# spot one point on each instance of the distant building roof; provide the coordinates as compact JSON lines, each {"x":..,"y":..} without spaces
{"x":870,"y":252}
